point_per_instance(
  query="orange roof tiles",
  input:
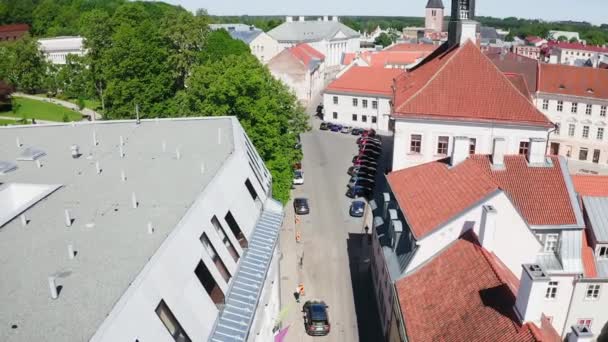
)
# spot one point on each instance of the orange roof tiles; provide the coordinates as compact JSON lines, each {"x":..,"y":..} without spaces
{"x":461,"y":83}
{"x":519,"y":82}
{"x":587,"y":185}
{"x":14,"y":28}
{"x":457,"y":296}
{"x":588,"y":258}
{"x":305,"y":53}
{"x":364,"y":80}
{"x":420,"y":189}
{"x":573,"y":80}
{"x":412,"y":47}
{"x":382,"y":59}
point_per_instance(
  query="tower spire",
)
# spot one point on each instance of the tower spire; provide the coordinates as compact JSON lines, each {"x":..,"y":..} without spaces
{"x":462,"y":26}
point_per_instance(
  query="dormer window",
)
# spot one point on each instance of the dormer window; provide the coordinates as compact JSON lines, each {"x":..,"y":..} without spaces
{"x":602,"y":252}
{"x":561,"y":86}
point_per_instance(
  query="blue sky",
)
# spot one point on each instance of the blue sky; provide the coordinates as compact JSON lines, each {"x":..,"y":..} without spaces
{"x":594,"y":11}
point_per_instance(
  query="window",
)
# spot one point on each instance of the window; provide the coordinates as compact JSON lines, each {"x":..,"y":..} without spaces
{"x":557,"y":127}
{"x":472,"y":145}
{"x":355,"y":102}
{"x":236,"y":230}
{"x":545,"y":104}
{"x":175,"y":329}
{"x":375,"y":105}
{"x":603,"y":110}
{"x":571,"y":129}
{"x":551,"y":241}
{"x":363,"y":118}
{"x":219,"y":264}
{"x":600,"y":133}
{"x":574,"y":107}
{"x":415,"y":143}
{"x":593,"y":291}
{"x":442,"y":145}
{"x":251,"y":189}
{"x":206,"y":279}
{"x":560,"y":106}
{"x":354,"y":117}
{"x":588,"y":109}
{"x":584,"y":322}
{"x":335,"y":115}
{"x":374,"y":119}
{"x":364,"y":103}
{"x":551,"y":290}
{"x":335,"y":100}
{"x":603,"y":252}
{"x":524,"y":146}
{"x":582,"y":154}
{"x":585,"y":132}
{"x":222,"y":234}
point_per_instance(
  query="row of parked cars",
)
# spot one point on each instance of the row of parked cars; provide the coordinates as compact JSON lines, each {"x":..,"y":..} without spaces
{"x":328,"y":126}
{"x":365,"y":164}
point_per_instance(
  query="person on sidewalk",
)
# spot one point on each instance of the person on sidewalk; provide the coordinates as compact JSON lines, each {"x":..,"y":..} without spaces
{"x":297,"y":294}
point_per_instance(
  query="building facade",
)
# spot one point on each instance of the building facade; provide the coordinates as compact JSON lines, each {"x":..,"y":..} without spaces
{"x":56,"y":50}
{"x":13,"y":32}
{"x":576,"y":100}
{"x":434,"y":16}
{"x":576,"y":54}
{"x":261,"y":44}
{"x":170,"y":256}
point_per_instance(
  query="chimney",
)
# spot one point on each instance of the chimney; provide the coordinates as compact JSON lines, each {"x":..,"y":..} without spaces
{"x":536,"y":151}
{"x":325,"y":18}
{"x":53,"y":287}
{"x":531,"y":293}
{"x":335,"y":18}
{"x":75,"y":151}
{"x":397,"y":228}
{"x":301,"y":19}
{"x":580,"y":333}
{"x":498,"y":153}
{"x":288,"y":19}
{"x":460,"y":151}
{"x":487,"y":227}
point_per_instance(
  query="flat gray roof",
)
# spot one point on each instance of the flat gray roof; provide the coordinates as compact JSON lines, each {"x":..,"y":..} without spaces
{"x":596,"y":208}
{"x":310,"y":31}
{"x":110,"y":236}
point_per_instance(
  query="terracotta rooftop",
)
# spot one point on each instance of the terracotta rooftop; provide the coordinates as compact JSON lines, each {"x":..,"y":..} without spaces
{"x":588,"y":258}
{"x":480,"y":305}
{"x":461,"y":83}
{"x":307,"y":54}
{"x":587,"y":185}
{"x":576,"y":46}
{"x":412,"y":47}
{"x":365,"y":80}
{"x":14,"y":27}
{"x":519,"y":82}
{"x":380,"y":59}
{"x":512,"y":63}
{"x":419,"y":189}
{"x":573,"y":80}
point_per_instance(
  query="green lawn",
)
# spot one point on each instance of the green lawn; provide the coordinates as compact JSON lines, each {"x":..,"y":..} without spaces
{"x":42,"y":111}
{"x":6,"y":122}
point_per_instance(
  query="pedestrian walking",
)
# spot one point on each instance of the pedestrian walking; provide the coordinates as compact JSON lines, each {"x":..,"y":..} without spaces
{"x":297,"y":295}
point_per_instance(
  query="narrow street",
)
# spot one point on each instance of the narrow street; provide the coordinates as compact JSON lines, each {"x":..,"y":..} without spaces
{"x":332,"y":253}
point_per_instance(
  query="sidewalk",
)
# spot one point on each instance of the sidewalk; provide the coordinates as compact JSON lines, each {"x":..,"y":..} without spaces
{"x":85,"y":111}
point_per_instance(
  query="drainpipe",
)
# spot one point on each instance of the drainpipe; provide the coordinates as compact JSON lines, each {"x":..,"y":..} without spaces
{"x":548,"y":137}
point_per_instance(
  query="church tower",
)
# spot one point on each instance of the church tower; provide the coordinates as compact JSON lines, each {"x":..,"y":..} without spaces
{"x":462,"y":26}
{"x":434,"y":16}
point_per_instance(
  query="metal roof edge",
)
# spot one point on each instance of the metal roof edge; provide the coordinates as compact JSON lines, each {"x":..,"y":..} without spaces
{"x":578,"y":213}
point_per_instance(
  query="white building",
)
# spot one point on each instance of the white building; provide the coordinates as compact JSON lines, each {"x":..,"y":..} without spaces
{"x":261,"y":44}
{"x":434,"y":16}
{"x":57,"y":49}
{"x":330,"y":37}
{"x":576,"y":54}
{"x":555,"y":35}
{"x":576,"y":99}
{"x":361,"y":98}
{"x":126,"y":231}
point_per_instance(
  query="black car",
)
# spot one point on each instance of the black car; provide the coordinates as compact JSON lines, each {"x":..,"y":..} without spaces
{"x":316,"y":319}
{"x":356,"y":131}
{"x":324,"y":126}
{"x":366,"y":163}
{"x":300,"y":205}
{"x":369,"y":183}
{"x":359,"y":191}
{"x":357,"y":209}
{"x":356,"y":169}
{"x":363,"y":157}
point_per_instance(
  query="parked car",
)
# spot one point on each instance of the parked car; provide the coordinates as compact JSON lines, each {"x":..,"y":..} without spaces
{"x":363,"y":157}
{"x":356,"y":131}
{"x":324,"y":126}
{"x":357,"y":209}
{"x":369,"y":132}
{"x":359,"y":191}
{"x":300,"y":205}
{"x":370,"y":153}
{"x":336,"y":128}
{"x":316,"y":319}
{"x":366,"y":163}
{"x":356,"y":169}
{"x":359,"y":180}
{"x":346,"y":129}
{"x":298,"y":177}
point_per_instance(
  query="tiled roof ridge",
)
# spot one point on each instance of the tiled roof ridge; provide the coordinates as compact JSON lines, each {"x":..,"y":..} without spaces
{"x":435,"y":75}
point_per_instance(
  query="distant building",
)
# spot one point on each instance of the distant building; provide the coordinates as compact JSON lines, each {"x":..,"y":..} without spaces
{"x":302,"y":69}
{"x":576,"y":99}
{"x":261,"y":44}
{"x":528,"y":51}
{"x":576,"y":54}
{"x":509,"y":62}
{"x":569,"y":35}
{"x":398,"y":56}
{"x":361,"y":98}
{"x":434,"y":16}
{"x":57,"y":49}
{"x":162,"y":230}
{"x":13,"y":31}
{"x":329,"y":37}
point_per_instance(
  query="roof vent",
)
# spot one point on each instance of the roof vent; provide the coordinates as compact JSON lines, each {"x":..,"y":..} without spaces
{"x":6,"y":167}
{"x":590,"y":90}
{"x":31,"y":154}
{"x":562,"y":86}
{"x":75,"y":151}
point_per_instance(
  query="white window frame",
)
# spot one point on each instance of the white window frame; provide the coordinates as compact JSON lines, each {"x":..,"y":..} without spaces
{"x":412,"y":145}
{"x":593,"y":292}
{"x":336,"y":101}
{"x":560,"y":106}
{"x":551,"y":243}
{"x":586,"y":130}
{"x":600,"y":133}
{"x":571,"y":130}
{"x":447,"y":148}
{"x":574,"y":108}
{"x":551,"y":292}
{"x":589,"y":109}
{"x":545,"y":104}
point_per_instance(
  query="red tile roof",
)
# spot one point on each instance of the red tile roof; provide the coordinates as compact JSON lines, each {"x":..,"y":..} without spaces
{"x":576,"y":46}
{"x":539,"y":193}
{"x":364,"y":80}
{"x":458,"y":296}
{"x":588,"y":258}
{"x":519,"y":82}
{"x":412,"y":47}
{"x":381,"y":59}
{"x":305,"y":53}
{"x":587,"y":185}
{"x":572,"y":80}
{"x":419,"y":189}
{"x":461,"y":83}
{"x":512,"y":63}
{"x":15,"y":28}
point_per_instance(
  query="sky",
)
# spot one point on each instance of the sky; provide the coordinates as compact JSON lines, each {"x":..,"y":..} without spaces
{"x":594,"y":11}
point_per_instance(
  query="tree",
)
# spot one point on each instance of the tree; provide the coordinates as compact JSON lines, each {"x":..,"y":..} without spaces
{"x":573,"y":40}
{"x":562,"y":39}
{"x":219,"y":44}
{"x":23,"y":65}
{"x":384,"y":40}
{"x":97,"y":34}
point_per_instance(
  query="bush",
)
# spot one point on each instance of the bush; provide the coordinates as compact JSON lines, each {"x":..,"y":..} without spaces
{"x":80,"y":103}
{"x":65,"y":118}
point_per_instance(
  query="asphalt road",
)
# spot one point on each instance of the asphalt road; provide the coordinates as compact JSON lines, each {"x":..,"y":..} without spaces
{"x":332,"y":252}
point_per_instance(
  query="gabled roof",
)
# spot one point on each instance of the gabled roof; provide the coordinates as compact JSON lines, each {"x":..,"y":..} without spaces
{"x":576,"y":46}
{"x":245,"y":36}
{"x":380,"y":59}
{"x":572,"y":80}
{"x":406,"y":47}
{"x":365,"y":80}
{"x":434,"y":4}
{"x":519,"y":82}
{"x":460,"y":83}
{"x":310,"y":31}
{"x":512,"y":63}
{"x":480,"y":306}
{"x":14,"y":27}
{"x":431,"y":194}
{"x":307,"y":55}
{"x":587,"y":185}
